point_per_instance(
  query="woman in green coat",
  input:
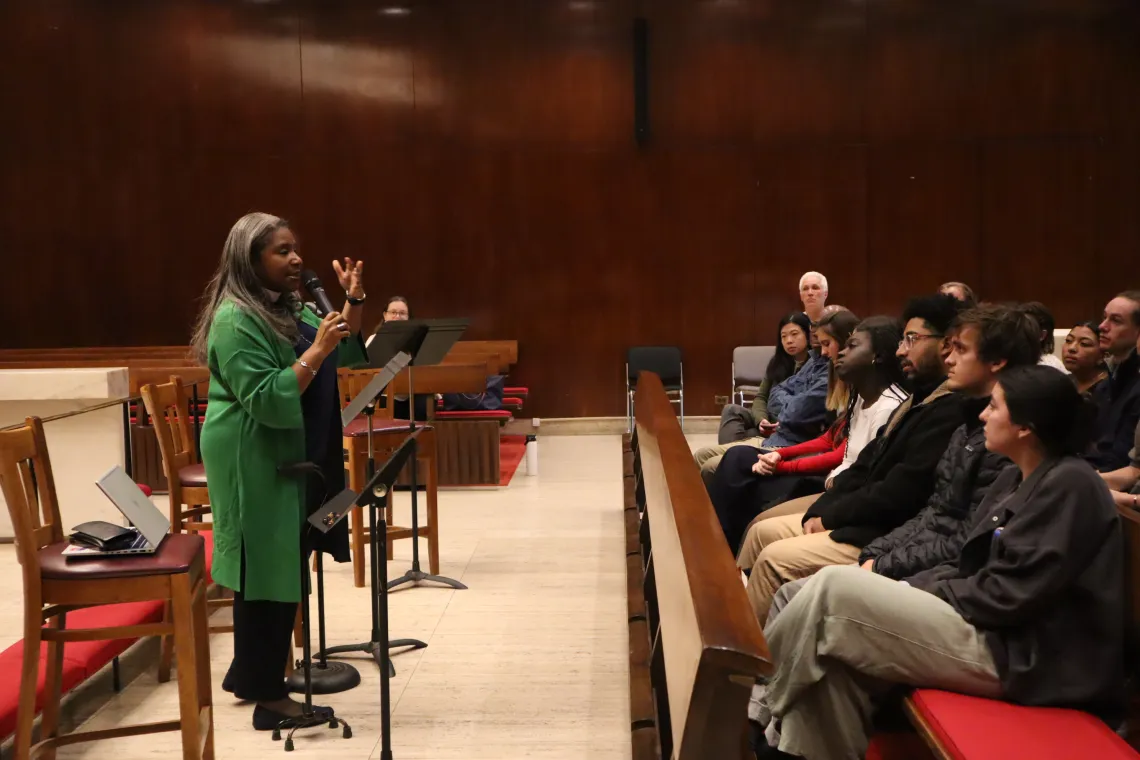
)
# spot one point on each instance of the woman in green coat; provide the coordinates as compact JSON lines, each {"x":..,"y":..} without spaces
{"x":272,"y":402}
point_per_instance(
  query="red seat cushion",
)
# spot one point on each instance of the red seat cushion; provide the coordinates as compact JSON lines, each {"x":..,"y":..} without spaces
{"x":512,"y":402}
{"x":93,"y":655}
{"x":973,"y":728}
{"x":519,"y":391}
{"x":476,"y":415}
{"x":11,"y":662}
{"x":81,"y":659}
{"x":147,"y":492}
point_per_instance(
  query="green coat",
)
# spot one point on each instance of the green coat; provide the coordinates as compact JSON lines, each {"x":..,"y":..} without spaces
{"x":254,"y":424}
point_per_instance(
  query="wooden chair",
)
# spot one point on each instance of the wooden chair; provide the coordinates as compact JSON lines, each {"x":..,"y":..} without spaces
{"x":387,"y":435}
{"x":169,"y":409}
{"x":175,"y":574}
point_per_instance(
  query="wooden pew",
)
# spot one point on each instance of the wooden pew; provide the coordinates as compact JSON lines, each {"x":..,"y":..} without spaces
{"x":691,"y":628}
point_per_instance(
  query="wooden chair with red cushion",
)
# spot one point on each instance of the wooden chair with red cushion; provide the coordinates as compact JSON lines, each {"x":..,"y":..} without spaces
{"x":169,"y":408}
{"x":55,"y":586}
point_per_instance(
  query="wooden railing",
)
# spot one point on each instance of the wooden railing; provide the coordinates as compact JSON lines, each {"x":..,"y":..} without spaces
{"x":695,"y":647}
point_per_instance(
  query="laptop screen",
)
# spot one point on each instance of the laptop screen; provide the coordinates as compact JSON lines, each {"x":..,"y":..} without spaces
{"x":133,"y":503}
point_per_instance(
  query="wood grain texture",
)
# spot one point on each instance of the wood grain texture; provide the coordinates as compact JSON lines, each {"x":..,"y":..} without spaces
{"x":481,"y":158}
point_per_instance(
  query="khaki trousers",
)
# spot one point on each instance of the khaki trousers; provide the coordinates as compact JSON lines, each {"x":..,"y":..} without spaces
{"x":708,"y":458}
{"x":750,"y":548}
{"x":844,"y":639}
{"x":786,"y":554}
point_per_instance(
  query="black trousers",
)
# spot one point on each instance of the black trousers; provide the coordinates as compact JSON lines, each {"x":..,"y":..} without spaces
{"x":738,"y":495}
{"x":262,"y":630}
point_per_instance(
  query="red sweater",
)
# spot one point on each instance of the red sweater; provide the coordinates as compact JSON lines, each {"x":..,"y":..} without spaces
{"x":815,"y":457}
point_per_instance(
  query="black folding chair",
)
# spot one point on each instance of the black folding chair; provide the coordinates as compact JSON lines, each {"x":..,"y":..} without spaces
{"x":665,"y":362}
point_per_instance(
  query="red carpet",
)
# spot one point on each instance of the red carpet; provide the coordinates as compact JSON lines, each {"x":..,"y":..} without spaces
{"x":512,"y":449}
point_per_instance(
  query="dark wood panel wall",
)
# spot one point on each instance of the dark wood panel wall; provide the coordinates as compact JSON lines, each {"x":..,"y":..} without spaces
{"x":480,"y":156}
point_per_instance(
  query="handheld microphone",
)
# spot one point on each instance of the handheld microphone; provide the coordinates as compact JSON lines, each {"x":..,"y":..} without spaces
{"x":317,"y":291}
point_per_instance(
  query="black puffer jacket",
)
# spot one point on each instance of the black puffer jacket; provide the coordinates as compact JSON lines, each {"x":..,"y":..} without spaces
{"x":935,"y":535}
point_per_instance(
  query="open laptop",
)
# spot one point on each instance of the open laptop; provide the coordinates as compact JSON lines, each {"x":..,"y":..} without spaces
{"x":125,"y":494}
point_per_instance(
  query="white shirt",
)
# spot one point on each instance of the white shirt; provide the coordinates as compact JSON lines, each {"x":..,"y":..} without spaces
{"x":865,"y":423}
{"x":1051,"y":360}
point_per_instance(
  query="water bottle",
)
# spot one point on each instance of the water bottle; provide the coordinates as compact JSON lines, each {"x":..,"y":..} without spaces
{"x":532,"y":456}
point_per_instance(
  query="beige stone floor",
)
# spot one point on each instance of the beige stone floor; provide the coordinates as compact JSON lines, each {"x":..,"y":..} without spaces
{"x":530,"y":662}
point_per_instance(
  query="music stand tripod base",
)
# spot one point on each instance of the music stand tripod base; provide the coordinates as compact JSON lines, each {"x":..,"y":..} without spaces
{"x":418,"y":576}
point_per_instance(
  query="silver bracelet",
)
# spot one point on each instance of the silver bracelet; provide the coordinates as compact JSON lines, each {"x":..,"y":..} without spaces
{"x":307,"y":366}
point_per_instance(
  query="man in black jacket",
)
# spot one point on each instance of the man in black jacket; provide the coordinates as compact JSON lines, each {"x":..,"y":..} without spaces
{"x":985,"y":341}
{"x":889,"y":482}
{"x":1118,"y":397}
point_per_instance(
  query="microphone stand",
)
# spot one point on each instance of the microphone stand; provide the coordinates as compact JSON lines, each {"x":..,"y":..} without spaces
{"x":415,"y":575}
{"x":308,"y":718}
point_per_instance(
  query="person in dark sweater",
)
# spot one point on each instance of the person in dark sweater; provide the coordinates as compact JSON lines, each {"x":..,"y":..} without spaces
{"x":1032,"y":611}
{"x":987,"y":341}
{"x":1118,"y":397}
{"x":889,"y":482}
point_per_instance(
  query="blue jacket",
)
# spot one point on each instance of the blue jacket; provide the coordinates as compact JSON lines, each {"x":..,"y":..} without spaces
{"x":799,"y":404}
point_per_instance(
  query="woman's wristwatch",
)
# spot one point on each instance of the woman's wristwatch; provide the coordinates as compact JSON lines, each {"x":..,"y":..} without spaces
{"x":355,"y":301}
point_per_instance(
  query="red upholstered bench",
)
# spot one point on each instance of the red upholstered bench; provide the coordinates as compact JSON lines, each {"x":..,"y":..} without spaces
{"x":512,"y":403}
{"x":518,"y":391}
{"x":81,"y":660}
{"x":973,"y":728}
{"x":501,"y":415}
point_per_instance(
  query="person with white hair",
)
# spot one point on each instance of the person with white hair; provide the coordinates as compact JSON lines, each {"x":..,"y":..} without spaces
{"x":813,"y":294}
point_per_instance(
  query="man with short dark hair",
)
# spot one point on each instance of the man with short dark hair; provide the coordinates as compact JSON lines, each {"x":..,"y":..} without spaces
{"x":1118,"y":397}
{"x":888,"y":483}
{"x":987,"y":341}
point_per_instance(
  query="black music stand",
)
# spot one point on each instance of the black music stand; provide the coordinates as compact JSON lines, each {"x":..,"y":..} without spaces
{"x":365,"y":402}
{"x":441,"y":335}
{"x":374,"y":496}
{"x":336,"y":676}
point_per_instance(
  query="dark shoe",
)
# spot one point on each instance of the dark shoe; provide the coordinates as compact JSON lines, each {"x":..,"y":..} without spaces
{"x":265,"y":719}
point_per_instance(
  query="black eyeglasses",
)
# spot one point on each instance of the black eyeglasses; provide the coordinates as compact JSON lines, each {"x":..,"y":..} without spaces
{"x":910,"y":339}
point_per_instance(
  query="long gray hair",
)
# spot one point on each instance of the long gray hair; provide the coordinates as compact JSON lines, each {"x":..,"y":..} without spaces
{"x":236,"y":280}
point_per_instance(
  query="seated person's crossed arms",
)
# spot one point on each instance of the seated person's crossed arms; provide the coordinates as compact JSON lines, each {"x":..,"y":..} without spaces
{"x":1032,"y":610}
{"x":924,"y":452}
{"x":865,"y":386}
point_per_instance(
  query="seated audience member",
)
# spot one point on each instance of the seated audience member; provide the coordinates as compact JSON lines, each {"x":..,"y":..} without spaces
{"x":960,"y":291}
{"x":738,"y":423}
{"x":397,"y":310}
{"x":797,"y":408}
{"x":813,"y":295}
{"x":868,"y":375}
{"x":988,"y":342}
{"x":1118,"y":397}
{"x":1125,"y":482}
{"x":1044,"y":319}
{"x":1032,"y":611}
{"x":888,"y":483}
{"x":1083,"y":358}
